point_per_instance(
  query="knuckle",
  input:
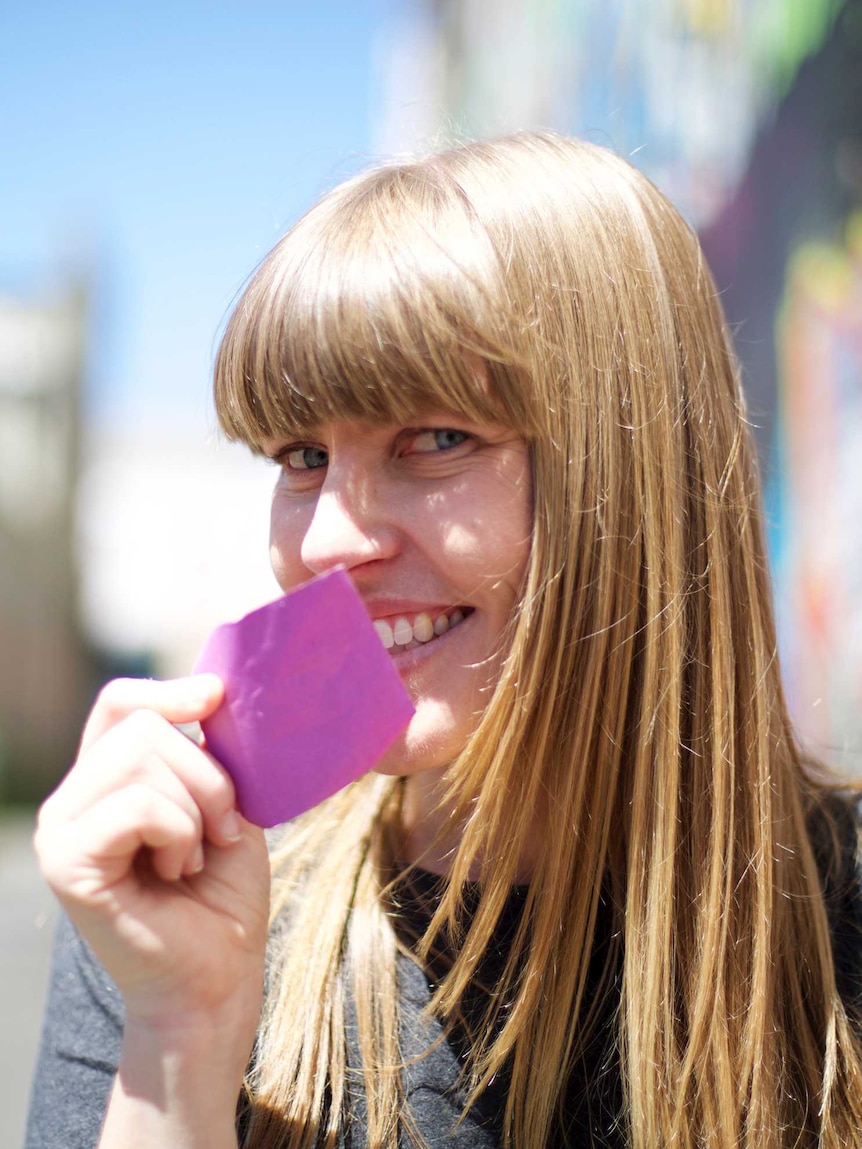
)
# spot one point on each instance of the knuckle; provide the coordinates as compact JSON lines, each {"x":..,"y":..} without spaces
{"x":51,"y":859}
{"x":190,"y":814}
{"x":217,"y":789}
{"x":141,"y":767}
{"x":113,"y":698}
{"x":145,"y":805}
{"x":39,"y":842}
{"x":188,"y":832}
{"x":144,"y":725}
{"x":43,"y":816}
{"x":131,"y":748}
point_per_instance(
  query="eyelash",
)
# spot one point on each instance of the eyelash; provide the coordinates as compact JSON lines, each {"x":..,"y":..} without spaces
{"x":284,"y":456}
{"x":441,"y":431}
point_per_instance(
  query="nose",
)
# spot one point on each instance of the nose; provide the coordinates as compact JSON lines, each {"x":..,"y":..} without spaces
{"x":352,"y":524}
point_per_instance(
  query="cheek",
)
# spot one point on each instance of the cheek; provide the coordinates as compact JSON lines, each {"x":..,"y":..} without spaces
{"x":287,"y":529}
{"x":497,"y":543}
{"x":514,"y":533}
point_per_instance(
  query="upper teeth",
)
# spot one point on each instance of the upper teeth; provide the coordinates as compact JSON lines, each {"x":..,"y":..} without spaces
{"x":422,"y":629}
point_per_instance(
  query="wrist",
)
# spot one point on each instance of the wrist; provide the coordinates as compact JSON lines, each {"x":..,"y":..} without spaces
{"x":205,"y":1018}
{"x":213,"y":1046}
{"x":178,"y":1082}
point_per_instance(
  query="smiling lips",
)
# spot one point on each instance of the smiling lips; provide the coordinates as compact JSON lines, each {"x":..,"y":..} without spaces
{"x":406,"y":634}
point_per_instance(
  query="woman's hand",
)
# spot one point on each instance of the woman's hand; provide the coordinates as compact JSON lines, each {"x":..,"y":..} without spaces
{"x":144,"y":847}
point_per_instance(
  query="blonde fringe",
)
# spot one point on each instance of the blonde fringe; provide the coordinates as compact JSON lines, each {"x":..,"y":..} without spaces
{"x":639,"y":715}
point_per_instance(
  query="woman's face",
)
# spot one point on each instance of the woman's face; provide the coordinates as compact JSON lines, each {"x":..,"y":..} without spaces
{"x":432,"y":521}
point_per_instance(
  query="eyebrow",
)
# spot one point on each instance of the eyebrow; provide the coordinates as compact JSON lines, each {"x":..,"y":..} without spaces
{"x":275,"y":442}
{"x":282,"y":448}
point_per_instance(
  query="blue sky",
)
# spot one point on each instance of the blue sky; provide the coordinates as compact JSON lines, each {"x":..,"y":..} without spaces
{"x":164,"y":147}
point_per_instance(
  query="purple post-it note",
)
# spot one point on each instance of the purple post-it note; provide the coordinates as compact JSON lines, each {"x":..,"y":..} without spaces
{"x":312,"y":699}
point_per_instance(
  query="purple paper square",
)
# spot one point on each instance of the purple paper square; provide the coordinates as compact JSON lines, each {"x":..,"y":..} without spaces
{"x":312,"y":699}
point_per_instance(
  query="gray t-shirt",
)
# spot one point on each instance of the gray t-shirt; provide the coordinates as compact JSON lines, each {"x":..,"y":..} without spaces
{"x":84,"y":1021}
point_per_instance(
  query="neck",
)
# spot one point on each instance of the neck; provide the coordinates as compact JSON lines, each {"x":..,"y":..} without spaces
{"x":431,"y":836}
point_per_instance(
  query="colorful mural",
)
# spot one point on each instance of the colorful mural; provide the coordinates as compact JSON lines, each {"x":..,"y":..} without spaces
{"x":748,"y":113}
{"x":683,"y":86}
{"x":819,"y":559}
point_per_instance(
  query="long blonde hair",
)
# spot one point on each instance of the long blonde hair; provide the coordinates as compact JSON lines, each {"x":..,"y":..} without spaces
{"x":639,"y":709}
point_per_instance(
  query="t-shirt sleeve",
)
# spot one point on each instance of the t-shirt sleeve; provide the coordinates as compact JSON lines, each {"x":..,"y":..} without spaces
{"x":79,"y":1050}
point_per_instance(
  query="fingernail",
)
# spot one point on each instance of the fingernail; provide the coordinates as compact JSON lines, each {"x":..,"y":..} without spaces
{"x":197,"y":859}
{"x":230,"y":826}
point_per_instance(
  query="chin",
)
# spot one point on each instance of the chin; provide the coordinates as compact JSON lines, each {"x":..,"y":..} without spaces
{"x":425,"y":746}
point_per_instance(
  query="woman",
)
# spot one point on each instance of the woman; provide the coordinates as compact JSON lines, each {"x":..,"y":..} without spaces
{"x":593,"y":895}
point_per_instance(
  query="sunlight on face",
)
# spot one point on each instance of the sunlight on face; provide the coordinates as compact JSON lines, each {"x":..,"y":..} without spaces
{"x":432,"y":522}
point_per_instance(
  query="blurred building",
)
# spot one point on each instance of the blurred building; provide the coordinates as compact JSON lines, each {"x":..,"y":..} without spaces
{"x":121,"y":547}
{"x":45,"y":670}
{"x":748,"y":114}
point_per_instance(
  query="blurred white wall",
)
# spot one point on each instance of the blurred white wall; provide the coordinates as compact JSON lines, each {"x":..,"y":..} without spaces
{"x":172,"y":539}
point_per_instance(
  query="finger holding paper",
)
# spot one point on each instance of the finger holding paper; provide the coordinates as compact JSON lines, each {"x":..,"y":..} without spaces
{"x":143,"y":846}
{"x":143,"y":843}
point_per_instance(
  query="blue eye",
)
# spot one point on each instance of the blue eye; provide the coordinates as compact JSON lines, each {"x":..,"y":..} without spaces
{"x":448,"y":438}
{"x":443,"y":439}
{"x":305,"y":458}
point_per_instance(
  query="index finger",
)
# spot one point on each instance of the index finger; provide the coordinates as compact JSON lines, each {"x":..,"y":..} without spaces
{"x":178,"y":700}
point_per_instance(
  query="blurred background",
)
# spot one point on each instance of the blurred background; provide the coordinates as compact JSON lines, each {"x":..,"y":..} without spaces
{"x":152,"y":154}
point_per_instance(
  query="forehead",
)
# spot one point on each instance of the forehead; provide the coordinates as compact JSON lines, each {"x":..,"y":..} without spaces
{"x":353,"y":317}
{"x":293,"y":393}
